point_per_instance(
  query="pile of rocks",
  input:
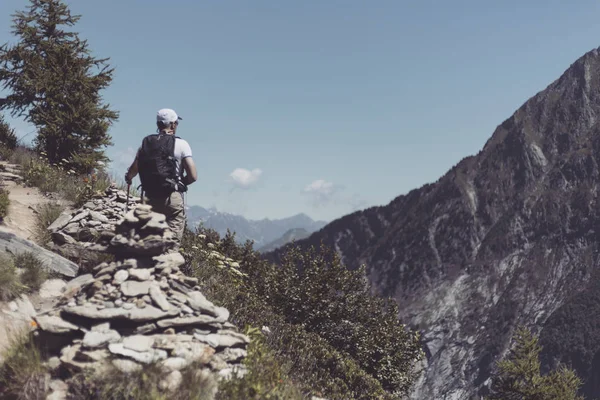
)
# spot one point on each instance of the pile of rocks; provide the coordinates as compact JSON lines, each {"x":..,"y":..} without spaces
{"x":140,"y":310}
{"x":91,"y":226}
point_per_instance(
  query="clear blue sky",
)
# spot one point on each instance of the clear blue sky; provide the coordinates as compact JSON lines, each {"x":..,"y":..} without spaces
{"x":328,"y":106}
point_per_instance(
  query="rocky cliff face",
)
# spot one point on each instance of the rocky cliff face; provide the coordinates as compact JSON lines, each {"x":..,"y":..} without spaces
{"x":505,"y":237}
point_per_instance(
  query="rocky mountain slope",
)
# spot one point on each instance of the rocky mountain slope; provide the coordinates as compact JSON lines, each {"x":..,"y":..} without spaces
{"x":292,"y":234}
{"x":261,"y":231}
{"x":505,"y":237}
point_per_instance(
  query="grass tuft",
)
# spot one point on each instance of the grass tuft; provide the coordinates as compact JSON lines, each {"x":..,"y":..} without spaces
{"x":47,"y":214}
{"x":34,"y":274}
{"x":10,"y":283}
{"x":23,"y":374}
{"x":4,"y":203}
{"x":140,"y":385}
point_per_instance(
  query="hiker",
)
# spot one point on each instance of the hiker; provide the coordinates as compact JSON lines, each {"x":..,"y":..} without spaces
{"x":159,"y":162}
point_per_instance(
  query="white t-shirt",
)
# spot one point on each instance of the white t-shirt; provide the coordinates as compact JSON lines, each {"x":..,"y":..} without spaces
{"x":182,"y":150}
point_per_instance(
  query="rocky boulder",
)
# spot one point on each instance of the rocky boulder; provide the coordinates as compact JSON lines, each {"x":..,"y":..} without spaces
{"x":11,"y":243}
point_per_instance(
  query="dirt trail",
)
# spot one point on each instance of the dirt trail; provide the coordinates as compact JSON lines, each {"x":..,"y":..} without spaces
{"x":24,"y":203}
{"x":21,"y":220}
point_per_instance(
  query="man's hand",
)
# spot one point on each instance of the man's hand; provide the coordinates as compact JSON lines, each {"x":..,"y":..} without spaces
{"x":131,"y":171}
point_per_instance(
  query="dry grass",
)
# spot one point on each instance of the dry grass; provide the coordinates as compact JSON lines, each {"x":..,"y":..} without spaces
{"x":22,"y":374}
{"x":47,"y":214}
{"x":10,"y":283}
{"x":34,"y":273}
{"x":4,"y":203}
{"x":141,"y":385}
{"x":59,"y":178}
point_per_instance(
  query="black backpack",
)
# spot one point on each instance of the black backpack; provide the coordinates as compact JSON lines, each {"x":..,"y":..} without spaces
{"x":157,"y":166}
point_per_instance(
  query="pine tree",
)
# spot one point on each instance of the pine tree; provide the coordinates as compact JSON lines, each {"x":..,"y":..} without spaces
{"x":518,"y":376}
{"x":54,"y":82}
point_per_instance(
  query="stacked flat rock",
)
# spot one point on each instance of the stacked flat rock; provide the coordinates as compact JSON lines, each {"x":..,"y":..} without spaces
{"x":141,"y":309}
{"x":94,"y":223}
{"x":142,"y":232}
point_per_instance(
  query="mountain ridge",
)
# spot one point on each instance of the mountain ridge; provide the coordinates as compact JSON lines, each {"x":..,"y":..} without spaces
{"x":290,"y":235}
{"x":260,"y":231}
{"x":503,"y":238}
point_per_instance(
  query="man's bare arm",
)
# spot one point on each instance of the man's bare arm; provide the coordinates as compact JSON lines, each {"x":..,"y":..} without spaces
{"x":190,"y":171}
{"x":132,"y":171}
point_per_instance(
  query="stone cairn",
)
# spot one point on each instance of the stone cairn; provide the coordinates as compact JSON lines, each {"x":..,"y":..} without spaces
{"x":92,"y":226}
{"x":140,"y":310}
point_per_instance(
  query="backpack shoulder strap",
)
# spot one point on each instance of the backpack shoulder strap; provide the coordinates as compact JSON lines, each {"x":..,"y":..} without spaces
{"x":148,"y":138}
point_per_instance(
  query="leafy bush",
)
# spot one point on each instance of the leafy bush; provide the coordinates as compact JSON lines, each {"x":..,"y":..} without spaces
{"x":312,"y":333}
{"x":49,"y":178}
{"x":22,"y":374}
{"x":4,"y":203}
{"x":93,"y":184}
{"x":8,"y":138}
{"x":320,"y":367}
{"x":315,"y":290}
{"x":63,"y":180}
{"x":34,"y":273}
{"x":10,"y":284}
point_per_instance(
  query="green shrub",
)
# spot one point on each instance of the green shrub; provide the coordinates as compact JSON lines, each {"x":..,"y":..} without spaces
{"x":315,"y":290}
{"x":311,"y":332}
{"x":48,"y":178}
{"x":21,"y":155}
{"x":4,"y":203}
{"x":61,"y":178}
{"x":89,"y":186}
{"x":47,"y":214}
{"x":8,"y":139}
{"x":267,"y":378}
{"x":10,"y":284}
{"x":322,"y":369}
{"x":33,"y":272}
{"x":22,"y":374}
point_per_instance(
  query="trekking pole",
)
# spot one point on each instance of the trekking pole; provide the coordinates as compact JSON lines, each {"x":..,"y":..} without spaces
{"x":127,"y":204}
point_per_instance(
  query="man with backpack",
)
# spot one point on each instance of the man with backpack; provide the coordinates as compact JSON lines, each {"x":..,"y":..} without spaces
{"x":161,"y":161}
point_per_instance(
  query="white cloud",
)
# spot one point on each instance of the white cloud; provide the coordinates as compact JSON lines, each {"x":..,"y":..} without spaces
{"x":320,"y":187}
{"x":321,"y":192}
{"x":245,"y":178}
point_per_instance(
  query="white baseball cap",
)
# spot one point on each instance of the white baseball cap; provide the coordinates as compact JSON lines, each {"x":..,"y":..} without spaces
{"x":166,"y":115}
